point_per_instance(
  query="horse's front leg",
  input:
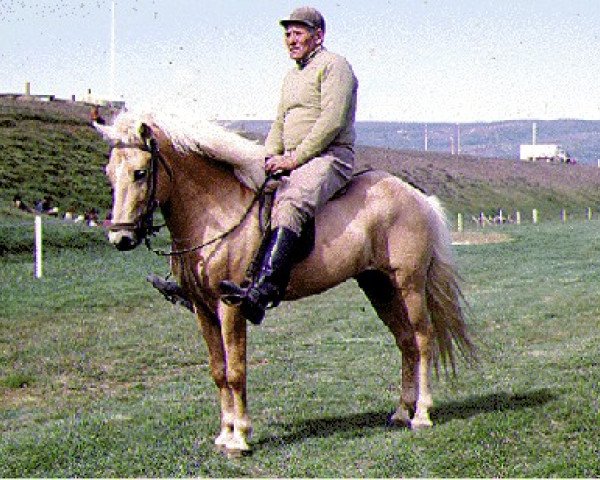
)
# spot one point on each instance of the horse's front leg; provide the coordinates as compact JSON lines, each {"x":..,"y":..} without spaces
{"x":234,"y":330}
{"x":214,"y":341}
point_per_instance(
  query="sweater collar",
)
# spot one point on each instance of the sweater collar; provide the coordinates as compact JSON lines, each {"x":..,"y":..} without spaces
{"x":305,"y":61}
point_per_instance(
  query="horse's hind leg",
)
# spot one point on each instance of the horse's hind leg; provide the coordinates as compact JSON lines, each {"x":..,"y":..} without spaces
{"x":415,"y":302}
{"x":390,"y":307}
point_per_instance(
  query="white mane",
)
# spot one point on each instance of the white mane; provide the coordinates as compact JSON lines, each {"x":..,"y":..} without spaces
{"x":196,"y":135}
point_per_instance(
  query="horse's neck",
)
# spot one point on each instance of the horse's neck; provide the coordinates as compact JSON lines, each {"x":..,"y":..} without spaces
{"x":205,"y":199}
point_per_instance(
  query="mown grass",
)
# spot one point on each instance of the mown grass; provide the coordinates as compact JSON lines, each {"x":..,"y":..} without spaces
{"x":100,"y":377}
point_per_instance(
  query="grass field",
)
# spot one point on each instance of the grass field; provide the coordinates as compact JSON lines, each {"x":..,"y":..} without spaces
{"x":100,"y":377}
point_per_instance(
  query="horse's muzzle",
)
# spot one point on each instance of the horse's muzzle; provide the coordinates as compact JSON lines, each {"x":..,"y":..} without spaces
{"x":124,"y":240}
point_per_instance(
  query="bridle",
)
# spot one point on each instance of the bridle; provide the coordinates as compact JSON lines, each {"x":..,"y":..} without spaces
{"x":144,"y":228}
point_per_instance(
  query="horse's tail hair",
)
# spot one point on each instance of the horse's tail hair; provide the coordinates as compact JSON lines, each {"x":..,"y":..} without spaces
{"x":445,"y":300}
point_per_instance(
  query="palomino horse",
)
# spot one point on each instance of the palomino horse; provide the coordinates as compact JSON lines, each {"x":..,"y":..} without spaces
{"x":383,"y":232}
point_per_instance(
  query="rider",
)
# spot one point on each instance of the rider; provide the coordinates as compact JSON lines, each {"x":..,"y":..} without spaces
{"x":312,"y":143}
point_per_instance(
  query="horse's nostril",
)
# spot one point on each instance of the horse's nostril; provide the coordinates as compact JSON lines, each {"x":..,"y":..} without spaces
{"x":123,"y":242}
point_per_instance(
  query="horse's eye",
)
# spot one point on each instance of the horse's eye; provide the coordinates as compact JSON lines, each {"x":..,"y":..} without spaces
{"x":139,"y":174}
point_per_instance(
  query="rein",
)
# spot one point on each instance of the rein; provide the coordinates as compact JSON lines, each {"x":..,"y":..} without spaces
{"x":221,"y":236}
{"x":145,"y":226}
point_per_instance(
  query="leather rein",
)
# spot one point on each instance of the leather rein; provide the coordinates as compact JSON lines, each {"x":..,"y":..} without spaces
{"x":145,"y":227}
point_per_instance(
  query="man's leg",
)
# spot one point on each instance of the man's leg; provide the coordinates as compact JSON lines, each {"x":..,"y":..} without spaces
{"x":298,"y":197}
{"x":308,"y":188}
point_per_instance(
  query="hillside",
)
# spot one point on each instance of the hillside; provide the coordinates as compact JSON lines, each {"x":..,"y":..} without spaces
{"x":581,"y":138}
{"x":48,"y":148}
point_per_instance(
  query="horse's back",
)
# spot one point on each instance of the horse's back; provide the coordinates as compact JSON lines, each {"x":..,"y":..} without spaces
{"x":375,"y":200}
{"x":374,"y":225}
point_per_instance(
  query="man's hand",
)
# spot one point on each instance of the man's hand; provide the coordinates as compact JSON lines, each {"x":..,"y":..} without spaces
{"x":281,"y":163}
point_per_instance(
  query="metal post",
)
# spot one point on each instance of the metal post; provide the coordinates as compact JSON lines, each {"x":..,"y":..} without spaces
{"x":38,"y":246}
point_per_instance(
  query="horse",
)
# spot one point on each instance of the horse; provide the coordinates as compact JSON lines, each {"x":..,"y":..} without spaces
{"x":388,"y":235}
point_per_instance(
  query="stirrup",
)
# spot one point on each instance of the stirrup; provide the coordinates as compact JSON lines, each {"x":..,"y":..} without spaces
{"x":171,"y":291}
{"x":232,"y":294}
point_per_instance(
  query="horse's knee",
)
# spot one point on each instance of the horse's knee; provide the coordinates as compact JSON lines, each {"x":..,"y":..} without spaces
{"x":236,"y":378}
{"x":218,"y":375}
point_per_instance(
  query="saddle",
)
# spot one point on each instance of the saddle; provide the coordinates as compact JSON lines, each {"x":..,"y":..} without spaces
{"x":306,"y":242}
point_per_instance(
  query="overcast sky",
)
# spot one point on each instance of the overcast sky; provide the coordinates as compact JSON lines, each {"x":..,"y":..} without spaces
{"x":416,"y":60}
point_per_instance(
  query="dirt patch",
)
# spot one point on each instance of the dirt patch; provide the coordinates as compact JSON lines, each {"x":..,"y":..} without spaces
{"x":479,"y":238}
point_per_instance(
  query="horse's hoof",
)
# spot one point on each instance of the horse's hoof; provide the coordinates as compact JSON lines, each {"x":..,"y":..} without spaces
{"x":420,"y":424}
{"x":397,"y":423}
{"x":222,"y":449}
{"x":233,"y":453}
{"x":399,"y":419}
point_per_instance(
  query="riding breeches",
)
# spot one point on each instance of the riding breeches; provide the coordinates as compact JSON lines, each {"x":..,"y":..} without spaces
{"x":310,"y":186}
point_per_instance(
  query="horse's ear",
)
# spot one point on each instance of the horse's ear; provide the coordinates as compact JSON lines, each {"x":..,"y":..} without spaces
{"x":145,"y":132}
{"x":107,"y":131}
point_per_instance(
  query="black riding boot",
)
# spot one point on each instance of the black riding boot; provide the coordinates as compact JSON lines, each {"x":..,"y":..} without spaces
{"x":272,"y":280}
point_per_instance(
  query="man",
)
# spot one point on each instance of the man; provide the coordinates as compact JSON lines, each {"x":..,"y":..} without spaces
{"x":311,"y":143}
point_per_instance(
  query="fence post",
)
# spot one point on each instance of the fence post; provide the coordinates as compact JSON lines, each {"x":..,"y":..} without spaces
{"x":535,"y":216}
{"x":460,"y":222}
{"x":38,"y":246}
{"x":518,"y":218}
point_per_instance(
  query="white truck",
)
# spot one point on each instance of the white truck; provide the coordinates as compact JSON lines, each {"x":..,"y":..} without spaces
{"x":547,"y":152}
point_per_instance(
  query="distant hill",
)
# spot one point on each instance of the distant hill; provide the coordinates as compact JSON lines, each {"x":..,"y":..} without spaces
{"x":49,"y":148}
{"x":581,"y":138}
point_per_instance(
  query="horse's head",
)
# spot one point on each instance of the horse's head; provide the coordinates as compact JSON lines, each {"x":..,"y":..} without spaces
{"x":132,"y":170}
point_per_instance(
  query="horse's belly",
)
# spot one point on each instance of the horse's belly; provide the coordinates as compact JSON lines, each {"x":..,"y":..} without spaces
{"x":332,"y":261}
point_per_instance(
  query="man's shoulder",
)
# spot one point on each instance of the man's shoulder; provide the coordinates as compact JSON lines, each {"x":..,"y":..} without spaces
{"x":327,"y":56}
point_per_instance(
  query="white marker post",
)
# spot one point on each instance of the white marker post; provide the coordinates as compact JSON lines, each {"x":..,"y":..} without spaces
{"x":37,"y":254}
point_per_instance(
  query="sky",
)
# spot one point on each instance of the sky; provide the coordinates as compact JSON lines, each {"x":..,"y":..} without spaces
{"x":416,"y":60}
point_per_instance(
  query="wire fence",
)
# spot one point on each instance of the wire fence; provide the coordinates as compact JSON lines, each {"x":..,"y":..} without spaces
{"x":518,"y":217}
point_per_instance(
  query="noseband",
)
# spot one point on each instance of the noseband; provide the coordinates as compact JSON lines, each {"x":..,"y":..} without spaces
{"x":145,"y":227}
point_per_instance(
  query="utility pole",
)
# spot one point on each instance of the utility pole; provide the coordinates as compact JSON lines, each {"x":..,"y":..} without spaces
{"x":112,"y":50}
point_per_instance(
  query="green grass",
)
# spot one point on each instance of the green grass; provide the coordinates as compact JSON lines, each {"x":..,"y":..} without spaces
{"x":100,"y":377}
{"x":49,"y":152}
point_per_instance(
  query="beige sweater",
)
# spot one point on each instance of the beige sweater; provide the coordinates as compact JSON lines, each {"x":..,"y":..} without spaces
{"x":317,"y":108}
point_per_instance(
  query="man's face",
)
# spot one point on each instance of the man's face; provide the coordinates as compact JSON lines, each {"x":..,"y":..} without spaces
{"x":301,"y":40}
